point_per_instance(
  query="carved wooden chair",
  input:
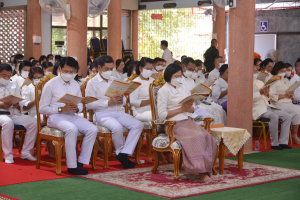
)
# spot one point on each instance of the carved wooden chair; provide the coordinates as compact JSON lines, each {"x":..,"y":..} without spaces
{"x":106,"y":134}
{"x":52,"y":134}
{"x":166,"y":142}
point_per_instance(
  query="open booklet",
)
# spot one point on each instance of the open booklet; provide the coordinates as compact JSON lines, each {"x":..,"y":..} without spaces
{"x":272,"y":81}
{"x":73,"y":99}
{"x":118,"y":88}
{"x":201,"y":88}
{"x":11,"y":99}
{"x":293,"y":87}
{"x":262,"y":76}
{"x":209,"y":82}
{"x":195,"y":97}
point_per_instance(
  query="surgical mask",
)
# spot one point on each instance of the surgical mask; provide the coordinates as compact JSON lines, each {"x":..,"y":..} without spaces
{"x":146,"y":73}
{"x":163,"y":68}
{"x":188,"y":73}
{"x":67,"y":77}
{"x":36,"y":81}
{"x":25,"y":74}
{"x":47,"y":73}
{"x":133,"y":72}
{"x":255,"y":76}
{"x":176,"y":81}
{"x":106,"y":74}
{"x":288,"y":74}
{"x":159,"y":67}
{"x":199,"y":72}
{"x":161,"y":48}
{"x":4,"y":81}
{"x":282,"y":75}
{"x":194,"y":75}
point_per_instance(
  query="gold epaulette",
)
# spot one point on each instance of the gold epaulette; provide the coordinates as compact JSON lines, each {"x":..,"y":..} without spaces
{"x":159,"y":82}
{"x":132,"y":77}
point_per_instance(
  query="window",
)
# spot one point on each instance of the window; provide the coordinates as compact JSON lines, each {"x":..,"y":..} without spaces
{"x":97,"y":27}
{"x":12,"y":31}
{"x":188,"y":31}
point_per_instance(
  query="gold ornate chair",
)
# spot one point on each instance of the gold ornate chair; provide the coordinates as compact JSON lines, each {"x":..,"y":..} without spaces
{"x":52,"y":134}
{"x":166,"y":142}
{"x":107,"y":135}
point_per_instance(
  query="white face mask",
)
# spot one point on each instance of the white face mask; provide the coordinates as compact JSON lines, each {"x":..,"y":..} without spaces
{"x":4,"y":81}
{"x":288,"y":74}
{"x":187,"y":73}
{"x":146,"y":73}
{"x":194,"y":75}
{"x":159,"y":67}
{"x":36,"y":81}
{"x":106,"y":74}
{"x":161,"y":48}
{"x":282,"y":75}
{"x":67,"y":77}
{"x":199,"y":72}
{"x":24,"y":74}
{"x":47,"y":73}
{"x":176,"y":81}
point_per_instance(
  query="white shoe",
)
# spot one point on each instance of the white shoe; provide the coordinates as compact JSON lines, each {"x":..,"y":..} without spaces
{"x":28,"y":157}
{"x":9,"y":161}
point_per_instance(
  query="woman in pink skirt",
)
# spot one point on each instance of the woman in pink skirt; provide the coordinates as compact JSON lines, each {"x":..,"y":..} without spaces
{"x":198,"y":146}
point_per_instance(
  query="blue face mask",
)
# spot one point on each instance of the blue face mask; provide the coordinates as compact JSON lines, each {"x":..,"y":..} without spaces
{"x":163,"y":68}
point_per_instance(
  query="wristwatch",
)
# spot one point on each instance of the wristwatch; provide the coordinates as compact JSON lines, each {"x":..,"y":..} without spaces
{"x":59,"y":110}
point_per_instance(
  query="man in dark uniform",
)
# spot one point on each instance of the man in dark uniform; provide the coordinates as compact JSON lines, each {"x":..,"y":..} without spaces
{"x":211,"y":53}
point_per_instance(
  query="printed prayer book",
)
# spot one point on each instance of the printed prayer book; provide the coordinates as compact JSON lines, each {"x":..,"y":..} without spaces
{"x":73,"y":99}
{"x":195,"y":97}
{"x":119,"y":88}
{"x":201,"y":88}
{"x":293,"y":87}
{"x":262,"y":76}
{"x":272,"y":81}
{"x":209,"y":82}
{"x":11,"y":99}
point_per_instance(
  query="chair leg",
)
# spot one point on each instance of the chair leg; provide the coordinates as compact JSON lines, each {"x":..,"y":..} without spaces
{"x":105,"y":152}
{"x":38,"y":151}
{"x":21,"y":141}
{"x":138,"y":150}
{"x":94,"y":156}
{"x":58,"y":146}
{"x":291,"y":140}
{"x":149,"y":147}
{"x":156,"y":162}
{"x":215,"y":172}
{"x":176,"y":158}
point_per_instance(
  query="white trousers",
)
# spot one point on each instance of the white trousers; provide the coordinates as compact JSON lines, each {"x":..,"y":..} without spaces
{"x":144,"y":116}
{"x":115,"y":121}
{"x":71,"y":124}
{"x":7,"y":122}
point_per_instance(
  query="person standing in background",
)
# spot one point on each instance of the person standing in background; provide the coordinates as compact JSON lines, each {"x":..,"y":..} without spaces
{"x":210,"y":55}
{"x":167,"y":55}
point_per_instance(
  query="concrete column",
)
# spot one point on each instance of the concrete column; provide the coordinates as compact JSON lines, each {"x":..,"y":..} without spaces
{"x":33,"y":28}
{"x":114,"y":29}
{"x":240,"y":84}
{"x":135,"y":33}
{"x":77,"y":34}
{"x":219,"y":28}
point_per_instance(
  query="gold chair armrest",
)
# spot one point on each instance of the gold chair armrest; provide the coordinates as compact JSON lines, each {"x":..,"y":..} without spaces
{"x":208,"y":121}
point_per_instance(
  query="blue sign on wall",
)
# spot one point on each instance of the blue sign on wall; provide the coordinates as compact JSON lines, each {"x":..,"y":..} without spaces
{"x":264,"y":26}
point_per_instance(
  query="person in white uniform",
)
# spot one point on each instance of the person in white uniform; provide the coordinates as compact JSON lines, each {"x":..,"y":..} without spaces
{"x":219,"y":90}
{"x":139,"y":99}
{"x":62,"y":116}
{"x":47,"y":67}
{"x":267,"y":66}
{"x":118,"y":73}
{"x":10,"y":115}
{"x":157,"y":65}
{"x":167,"y":55}
{"x":283,"y":100}
{"x":200,"y":77}
{"x":262,"y":108}
{"x":109,"y":112}
{"x":294,"y":79}
{"x":215,"y":74}
{"x":23,"y":71}
{"x":188,"y":68}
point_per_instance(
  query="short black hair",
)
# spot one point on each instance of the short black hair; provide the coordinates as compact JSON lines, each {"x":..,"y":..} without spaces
{"x":170,"y":70}
{"x":298,"y":60}
{"x":277,"y":67}
{"x":118,"y":62}
{"x":288,"y":65}
{"x":101,"y":60}
{"x":142,"y":64}
{"x":188,"y":60}
{"x":223,"y":69}
{"x":46,"y":65}
{"x":57,"y":57}
{"x":264,"y":63}
{"x":126,"y":58}
{"x":33,"y":63}
{"x":19,"y":56}
{"x":213,"y":41}
{"x":164,"y":42}
{"x":43,"y":57}
{"x":5,"y":67}
{"x":256,"y":60}
{"x":198,"y":62}
{"x":156,"y":60}
{"x":132,"y":64}
{"x":49,"y":55}
{"x":55,"y":67}
{"x":183,"y":57}
{"x":24,"y":64}
{"x":31,"y":59}
{"x":70,"y":61}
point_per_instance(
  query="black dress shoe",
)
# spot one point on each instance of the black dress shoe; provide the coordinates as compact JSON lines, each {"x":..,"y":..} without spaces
{"x":285,"y":146}
{"x":77,"y":171}
{"x":130,"y":163}
{"x":277,"y":147}
{"x":123,"y":159}
{"x":79,"y":165}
